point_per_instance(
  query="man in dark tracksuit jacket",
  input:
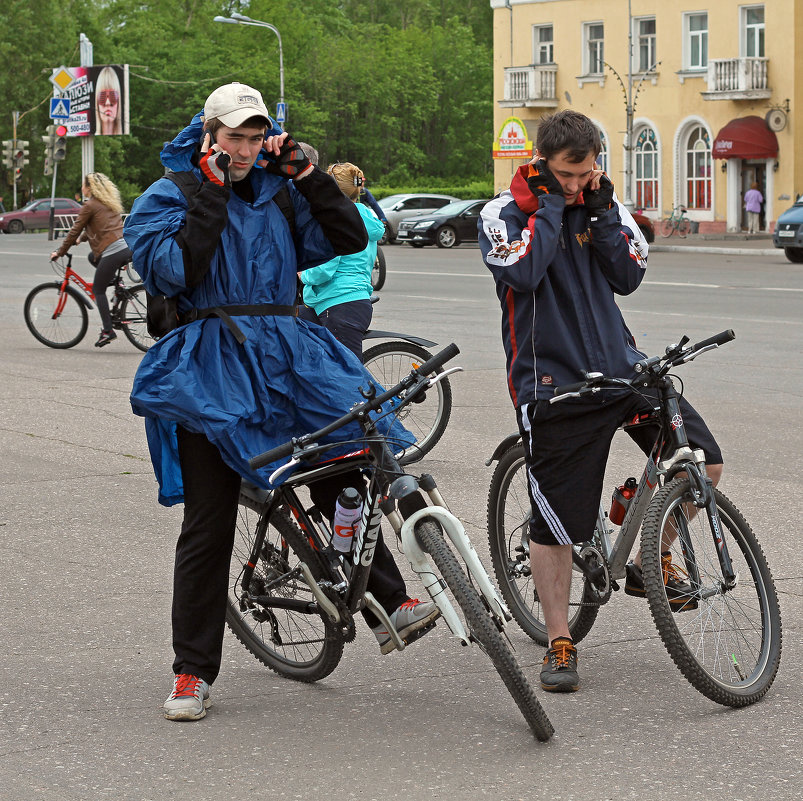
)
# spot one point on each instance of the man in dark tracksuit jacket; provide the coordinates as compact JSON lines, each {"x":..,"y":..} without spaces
{"x":560,"y":246}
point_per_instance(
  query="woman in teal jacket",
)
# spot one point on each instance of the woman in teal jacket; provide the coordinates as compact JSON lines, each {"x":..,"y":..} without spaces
{"x":337,"y":294}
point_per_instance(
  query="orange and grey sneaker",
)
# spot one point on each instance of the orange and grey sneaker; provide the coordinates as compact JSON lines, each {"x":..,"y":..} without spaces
{"x":559,"y":673}
{"x":189,"y":699}
{"x":679,"y":592}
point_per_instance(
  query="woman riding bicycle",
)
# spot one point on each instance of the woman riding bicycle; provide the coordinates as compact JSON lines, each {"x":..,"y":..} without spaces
{"x":100,"y":222}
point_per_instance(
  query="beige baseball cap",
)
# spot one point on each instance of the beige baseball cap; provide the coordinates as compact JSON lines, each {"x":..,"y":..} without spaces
{"x":233,"y":104}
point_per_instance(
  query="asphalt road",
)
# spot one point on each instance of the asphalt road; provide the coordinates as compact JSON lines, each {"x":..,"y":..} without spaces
{"x":86,"y":568}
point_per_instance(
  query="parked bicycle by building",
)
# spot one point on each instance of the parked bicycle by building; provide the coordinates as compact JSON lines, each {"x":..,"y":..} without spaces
{"x":676,"y":222}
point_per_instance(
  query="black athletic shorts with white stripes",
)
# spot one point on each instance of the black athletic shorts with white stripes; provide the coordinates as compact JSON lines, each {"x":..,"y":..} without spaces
{"x":566,"y":449}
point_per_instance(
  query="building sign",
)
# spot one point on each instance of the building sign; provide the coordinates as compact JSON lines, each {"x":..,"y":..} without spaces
{"x":98,"y":100}
{"x":513,"y":142}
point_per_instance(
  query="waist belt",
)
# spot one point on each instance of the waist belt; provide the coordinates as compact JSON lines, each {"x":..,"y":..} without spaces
{"x":227,"y":312}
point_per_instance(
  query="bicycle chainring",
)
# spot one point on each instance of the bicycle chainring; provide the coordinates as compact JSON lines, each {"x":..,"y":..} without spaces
{"x":600,"y":589}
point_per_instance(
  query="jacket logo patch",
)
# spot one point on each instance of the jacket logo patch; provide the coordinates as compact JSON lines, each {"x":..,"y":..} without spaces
{"x":501,"y":247}
{"x":546,"y":379}
{"x":582,"y":238}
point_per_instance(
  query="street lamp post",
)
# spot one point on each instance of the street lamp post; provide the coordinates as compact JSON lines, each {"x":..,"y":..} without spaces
{"x":241,"y":19}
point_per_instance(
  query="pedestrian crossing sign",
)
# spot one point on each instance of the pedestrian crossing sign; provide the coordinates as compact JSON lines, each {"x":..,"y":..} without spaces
{"x":59,"y":108}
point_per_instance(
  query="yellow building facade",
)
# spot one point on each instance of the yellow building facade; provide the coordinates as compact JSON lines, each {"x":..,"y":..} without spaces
{"x":695,"y":101}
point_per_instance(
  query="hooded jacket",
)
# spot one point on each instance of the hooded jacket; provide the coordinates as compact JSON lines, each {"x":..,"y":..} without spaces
{"x":557,"y":269}
{"x":288,"y":377}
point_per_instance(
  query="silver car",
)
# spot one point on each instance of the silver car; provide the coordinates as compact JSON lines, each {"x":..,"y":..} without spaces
{"x":400,"y":207}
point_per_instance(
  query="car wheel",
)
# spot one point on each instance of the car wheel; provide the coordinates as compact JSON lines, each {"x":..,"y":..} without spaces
{"x":794,"y":255}
{"x":446,"y":237}
{"x":15,"y":227}
{"x":649,"y":235}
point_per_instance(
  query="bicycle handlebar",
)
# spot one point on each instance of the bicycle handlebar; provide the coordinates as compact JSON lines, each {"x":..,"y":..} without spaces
{"x":417,"y":375}
{"x":656,"y":365}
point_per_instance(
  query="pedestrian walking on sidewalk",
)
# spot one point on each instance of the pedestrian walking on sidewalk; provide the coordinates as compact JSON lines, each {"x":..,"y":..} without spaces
{"x":752,"y":203}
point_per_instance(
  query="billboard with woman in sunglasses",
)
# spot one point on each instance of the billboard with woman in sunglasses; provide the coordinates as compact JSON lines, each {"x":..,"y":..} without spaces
{"x":98,"y":101}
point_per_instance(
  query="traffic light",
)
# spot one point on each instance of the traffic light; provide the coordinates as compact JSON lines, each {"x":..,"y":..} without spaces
{"x":60,"y":146}
{"x":50,"y":142}
{"x":8,"y":153}
{"x":20,"y":156}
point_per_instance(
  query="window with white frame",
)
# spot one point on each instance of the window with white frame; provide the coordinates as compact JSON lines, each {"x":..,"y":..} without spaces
{"x":594,"y":35}
{"x":698,"y":168}
{"x":646,"y":169}
{"x":645,"y":48}
{"x":543,"y":52}
{"x":753,"y":31}
{"x":602,"y":159}
{"x":696,"y":44}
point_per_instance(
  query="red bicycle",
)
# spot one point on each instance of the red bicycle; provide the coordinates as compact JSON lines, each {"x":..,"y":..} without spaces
{"x":57,"y":312}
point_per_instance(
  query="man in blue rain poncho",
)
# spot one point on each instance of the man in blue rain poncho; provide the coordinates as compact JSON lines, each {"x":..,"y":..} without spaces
{"x":237,"y":381}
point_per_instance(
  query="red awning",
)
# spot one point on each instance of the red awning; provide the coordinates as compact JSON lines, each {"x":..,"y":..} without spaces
{"x":745,"y":138}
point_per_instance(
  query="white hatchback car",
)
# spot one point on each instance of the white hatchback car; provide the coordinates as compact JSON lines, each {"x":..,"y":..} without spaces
{"x":400,"y":207}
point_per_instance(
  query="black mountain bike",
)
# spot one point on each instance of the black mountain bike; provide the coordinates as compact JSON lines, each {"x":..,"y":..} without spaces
{"x":292,"y":598}
{"x":726,"y":637}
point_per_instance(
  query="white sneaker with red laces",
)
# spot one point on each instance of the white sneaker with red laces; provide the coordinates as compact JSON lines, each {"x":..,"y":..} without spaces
{"x":411,"y":616}
{"x":189,"y":699}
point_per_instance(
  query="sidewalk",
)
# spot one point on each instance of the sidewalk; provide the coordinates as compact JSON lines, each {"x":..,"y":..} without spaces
{"x":724,"y":244}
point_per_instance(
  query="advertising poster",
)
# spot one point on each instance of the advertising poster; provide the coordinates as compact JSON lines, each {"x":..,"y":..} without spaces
{"x":513,"y":142}
{"x":98,"y":101}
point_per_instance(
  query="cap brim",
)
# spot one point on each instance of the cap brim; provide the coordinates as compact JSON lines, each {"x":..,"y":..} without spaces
{"x":237,"y":117}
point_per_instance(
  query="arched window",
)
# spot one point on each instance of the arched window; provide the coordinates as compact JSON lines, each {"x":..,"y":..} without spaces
{"x":602,"y":159}
{"x":646,"y":155}
{"x":698,"y":169}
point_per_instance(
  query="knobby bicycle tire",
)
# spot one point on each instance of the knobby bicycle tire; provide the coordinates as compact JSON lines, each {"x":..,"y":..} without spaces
{"x":379,"y":271}
{"x":668,"y":227}
{"x":64,"y":331}
{"x":729,"y":646}
{"x":133,"y":317}
{"x":483,"y":627}
{"x":388,"y":363}
{"x":509,"y":511}
{"x":298,"y":645}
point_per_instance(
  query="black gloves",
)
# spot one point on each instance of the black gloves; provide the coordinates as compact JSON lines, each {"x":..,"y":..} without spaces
{"x":541,"y":181}
{"x":215,"y":167}
{"x":291,"y":162}
{"x":599,"y":200}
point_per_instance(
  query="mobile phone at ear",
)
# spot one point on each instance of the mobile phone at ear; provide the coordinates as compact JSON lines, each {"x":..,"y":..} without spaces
{"x":212,"y":140}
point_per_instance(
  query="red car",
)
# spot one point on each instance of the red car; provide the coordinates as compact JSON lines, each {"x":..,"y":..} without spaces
{"x":36,"y":215}
{"x":645,"y":223}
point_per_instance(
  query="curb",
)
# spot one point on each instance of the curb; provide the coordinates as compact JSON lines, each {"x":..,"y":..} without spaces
{"x":724,"y":251}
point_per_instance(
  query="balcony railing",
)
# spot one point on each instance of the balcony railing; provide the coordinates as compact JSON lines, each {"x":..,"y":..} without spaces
{"x":530,"y":86}
{"x":737,"y":79}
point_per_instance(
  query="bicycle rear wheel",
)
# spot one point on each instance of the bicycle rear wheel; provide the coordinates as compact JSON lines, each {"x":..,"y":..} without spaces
{"x":56,"y":318}
{"x":134,"y":318}
{"x":509,"y":513}
{"x":427,"y":419}
{"x":483,"y":628}
{"x":684,"y":226}
{"x":729,"y":645}
{"x":668,"y":227}
{"x":298,"y":643}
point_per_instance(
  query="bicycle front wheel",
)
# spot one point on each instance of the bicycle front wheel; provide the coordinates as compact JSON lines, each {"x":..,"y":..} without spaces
{"x":509,"y":513}
{"x":483,"y":628}
{"x":426,"y":419}
{"x":291,"y":636}
{"x":134,"y":318}
{"x":56,"y":318}
{"x":379,"y":271}
{"x":667,"y":227}
{"x":726,"y":641}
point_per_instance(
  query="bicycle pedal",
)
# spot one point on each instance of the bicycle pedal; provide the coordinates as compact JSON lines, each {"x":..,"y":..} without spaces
{"x":416,"y":635}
